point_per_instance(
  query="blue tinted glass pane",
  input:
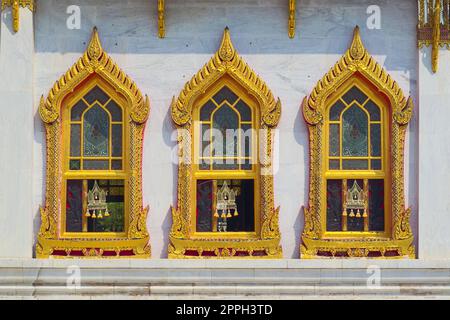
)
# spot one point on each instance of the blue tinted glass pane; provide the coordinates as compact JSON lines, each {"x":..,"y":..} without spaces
{"x":77,"y":110}
{"x":225,"y":132}
{"x":334,"y":165}
{"x":206,"y":111}
{"x":373,"y":110}
{"x":205,"y":141}
{"x":246,"y":140}
{"x":75,"y":165}
{"x":75,"y":140}
{"x":96,"y":164}
{"x":355,"y":132}
{"x":225,"y":94}
{"x":355,"y":164}
{"x":117,"y":140}
{"x":354,"y":94}
{"x":96,"y":94}
{"x":375,"y":137}
{"x":115,"y":111}
{"x":225,"y":164}
{"x":334,"y":140}
{"x":335,"y":111}
{"x":116,"y":165}
{"x":376,"y":164}
{"x":96,"y":132}
{"x":334,"y":205}
{"x":244,"y":110}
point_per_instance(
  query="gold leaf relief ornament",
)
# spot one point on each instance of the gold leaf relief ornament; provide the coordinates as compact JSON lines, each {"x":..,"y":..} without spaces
{"x":356,"y":60}
{"x":94,"y":61}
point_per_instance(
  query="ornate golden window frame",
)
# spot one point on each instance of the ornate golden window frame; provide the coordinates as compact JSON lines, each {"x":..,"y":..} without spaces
{"x":400,"y":243}
{"x":95,"y":62}
{"x":225,"y":63}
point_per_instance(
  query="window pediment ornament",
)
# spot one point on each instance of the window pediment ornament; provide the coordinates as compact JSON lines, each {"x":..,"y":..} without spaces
{"x":226,"y":61}
{"x":94,"y":62}
{"x":357,"y":61}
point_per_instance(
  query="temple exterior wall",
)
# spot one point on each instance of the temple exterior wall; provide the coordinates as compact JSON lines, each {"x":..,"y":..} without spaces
{"x":34,"y":58}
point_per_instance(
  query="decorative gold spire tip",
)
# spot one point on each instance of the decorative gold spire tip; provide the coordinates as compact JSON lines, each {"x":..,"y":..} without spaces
{"x":226,"y":51}
{"x":357,"y":48}
{"x":95,"y":47}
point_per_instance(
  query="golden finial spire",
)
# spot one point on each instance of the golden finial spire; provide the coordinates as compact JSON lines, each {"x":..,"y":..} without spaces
{"x":95,"y":47}
{"x":357,"y":48}
{"x":226,"y":51}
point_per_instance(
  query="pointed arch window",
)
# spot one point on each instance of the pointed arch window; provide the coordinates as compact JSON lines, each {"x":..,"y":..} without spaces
{"x":94,"y":118}
{"x":225,"y":183}
{"x":357,"y":118}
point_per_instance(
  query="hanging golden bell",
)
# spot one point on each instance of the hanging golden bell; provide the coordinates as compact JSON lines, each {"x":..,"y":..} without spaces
{"x":229,"y":214}
{"x":107,"y":213}
{"x":88,"y":214}
{"x":236,"y":213}
{"x":352,"y":213}
{"x":94,"y":216}
{"x":216,"y":214}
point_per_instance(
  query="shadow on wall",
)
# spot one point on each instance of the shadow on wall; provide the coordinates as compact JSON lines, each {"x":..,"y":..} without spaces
{"x":258,"y":27}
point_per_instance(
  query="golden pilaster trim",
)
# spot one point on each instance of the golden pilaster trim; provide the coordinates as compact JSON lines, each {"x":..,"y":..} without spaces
{"x":357,"y":61}
{"x":15,"y":8}
{"x":94,"y":62}
{"x":161,"y":19}
{"x":225,"y":63}
{"x":433,"y":28}
{"x":291,"y":22}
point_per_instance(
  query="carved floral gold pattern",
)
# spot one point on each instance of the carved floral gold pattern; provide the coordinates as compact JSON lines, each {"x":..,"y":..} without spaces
{"x":15,"y":8}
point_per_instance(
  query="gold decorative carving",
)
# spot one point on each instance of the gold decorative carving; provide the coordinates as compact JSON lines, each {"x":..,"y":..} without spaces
{"x":357,"y":61}
{"x":291,"y":23}
{"x":226,"y":62}
{"x":433,"y":28}
{"x":161,"y":19}
{"x":15,"y":8}
{"x":94,"y":62}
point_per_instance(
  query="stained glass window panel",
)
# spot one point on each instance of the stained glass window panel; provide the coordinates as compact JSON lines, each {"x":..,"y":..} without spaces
{"x":74,"y":164}
{"x":225,"y":94}
{"x":75,"y":140}
{"x":335,"y":111}
{"x":205,"y":140}
{"x":77,"y":110}
{"x":117,"y":140}
{"x":206,"y":111}
{"x":355,"y":164}
{"x":116,"y":165}
{"x":96,"y":132}
{"x":373,"y":110}
{"x":354,"y":94}
{"x":334,"y":140}
{"x":375,"y":140}
{"x":244,"y":110}
{"x":115,"y":111}
{"x":334,"y":205}
{"x":246,"y":140}
{"x":225,"y":164}
{"x":225,"y":132}
{"x":355,"y":132}
{"x":334,"y":165}
{"x":376,"y":164}
{"x":96,"y":94}
{"x":96,"y":164}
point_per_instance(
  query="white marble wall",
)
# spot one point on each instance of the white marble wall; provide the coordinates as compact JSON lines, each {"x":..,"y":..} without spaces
{"x":160,"y":68}
{"x":434,"y":156}
{"x":16,"y":136}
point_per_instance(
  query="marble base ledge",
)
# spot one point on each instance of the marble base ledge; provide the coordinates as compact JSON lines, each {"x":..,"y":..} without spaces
{"x":224,"y":279}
